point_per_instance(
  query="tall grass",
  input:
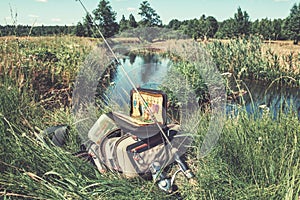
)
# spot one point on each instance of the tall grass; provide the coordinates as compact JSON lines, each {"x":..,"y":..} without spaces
{"x":255,"y":158}
{"x":251,"y":59}
{"x":30,"y":166}
{"x":43,"y":66}
{"x":32,"y":169}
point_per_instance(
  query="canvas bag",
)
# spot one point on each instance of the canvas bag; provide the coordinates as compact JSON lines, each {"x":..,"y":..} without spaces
{"x":130,"y":144}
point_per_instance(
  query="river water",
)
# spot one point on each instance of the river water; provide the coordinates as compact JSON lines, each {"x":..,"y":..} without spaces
{"x":149,"y":70}
{"x":260,"y":96}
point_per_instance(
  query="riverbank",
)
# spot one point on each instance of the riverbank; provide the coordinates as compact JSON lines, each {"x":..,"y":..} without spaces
{"x":250,"y":58}
{"x":255,"y":158}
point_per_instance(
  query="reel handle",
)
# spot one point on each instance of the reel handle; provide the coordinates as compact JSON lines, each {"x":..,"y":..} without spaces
{"x":160,"y":177}
{"x":186,"y":171}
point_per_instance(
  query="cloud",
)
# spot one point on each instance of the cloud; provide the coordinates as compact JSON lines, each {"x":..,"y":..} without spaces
{"x":33,"y":16}
{"x":131,"y":9}
{"x":55,"y":19}
{"x":43,"y":1}
{"x":281,"y":0}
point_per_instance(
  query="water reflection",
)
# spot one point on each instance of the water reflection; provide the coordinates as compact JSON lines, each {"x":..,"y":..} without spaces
{"x":260,"y":95}
{"x":150,"y":70}
{"x":146,"y":71}
{"x":132,"y":58}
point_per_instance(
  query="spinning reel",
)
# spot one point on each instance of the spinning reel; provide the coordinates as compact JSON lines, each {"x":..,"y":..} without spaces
{"x":166,"y":183}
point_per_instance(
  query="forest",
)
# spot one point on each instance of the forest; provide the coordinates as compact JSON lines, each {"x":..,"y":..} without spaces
{"x":203,"y":28}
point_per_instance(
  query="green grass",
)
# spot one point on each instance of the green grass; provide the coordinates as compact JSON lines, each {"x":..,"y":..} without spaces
{"x":250,"y":59}
{"x":255,"y":157}
{"x":31,"y":167}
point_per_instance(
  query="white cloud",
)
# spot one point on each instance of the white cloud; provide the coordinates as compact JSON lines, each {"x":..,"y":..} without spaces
{"x":43,"y":1}
{"x":33,"y":16}
{"x":131,"y":9}
{"x":55,"y":19}
{"x":281,"y":0}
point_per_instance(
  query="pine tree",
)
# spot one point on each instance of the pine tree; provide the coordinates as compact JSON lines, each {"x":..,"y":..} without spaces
{"x":88,"y":26}
{"x":293,"y":23}
{"x":242,"y":23}
{"x":132,"y":23}
{"x":124,"y":24}
{"x":105,"y":18}
{"x":149,"y":16}
{"x":79,"y":29}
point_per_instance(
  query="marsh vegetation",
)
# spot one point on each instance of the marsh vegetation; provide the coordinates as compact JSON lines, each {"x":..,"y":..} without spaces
{"x":256,"y":157}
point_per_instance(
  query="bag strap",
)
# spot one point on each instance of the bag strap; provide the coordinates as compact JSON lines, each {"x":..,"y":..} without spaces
{"x":148,"y":143}
{"x":58,"y":134}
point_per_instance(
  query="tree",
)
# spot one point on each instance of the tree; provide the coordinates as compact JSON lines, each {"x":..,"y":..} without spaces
{"x":293,"y":23}
{"x":190,"y":28}
{"x":265,"y":28}
{"x":105,"y":18}
{"x":212,"y":26}
{"x":132,"y":23}
{"x":226,"y":29}
{"x":79,"y":30}
{"x":174,"y":24}
{"x":203,"y":28}
{"x":277,"y":29}
{"x":241,"y":23}
{"x":124,"y":24}
{"x":149,"y":16}
{"x":88,"y":26}
{"x":254,"y":27}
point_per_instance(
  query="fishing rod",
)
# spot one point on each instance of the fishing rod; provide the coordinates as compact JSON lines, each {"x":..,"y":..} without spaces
{"x":127,"y":76}
{"x":182,"y":165}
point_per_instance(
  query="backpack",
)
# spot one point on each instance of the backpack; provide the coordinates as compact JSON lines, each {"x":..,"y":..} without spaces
{"x":130,"y":144}
{"x":134,"y":144}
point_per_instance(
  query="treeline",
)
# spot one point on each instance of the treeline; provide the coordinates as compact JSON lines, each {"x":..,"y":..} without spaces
{"x":208,"y":27}
{"x":21,"y":30}
{"x":104,"y":18}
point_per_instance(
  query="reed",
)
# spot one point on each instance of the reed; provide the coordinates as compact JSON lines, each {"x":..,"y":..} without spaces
{"x":250,"y":58}
{"x":256,"y":157}
{"x":43,"y":66}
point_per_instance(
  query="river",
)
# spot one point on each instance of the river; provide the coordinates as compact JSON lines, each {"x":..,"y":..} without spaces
{"x":149,"y":70}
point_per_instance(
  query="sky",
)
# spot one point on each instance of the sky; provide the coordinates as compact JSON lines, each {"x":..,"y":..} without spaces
{"x":70,"y":12}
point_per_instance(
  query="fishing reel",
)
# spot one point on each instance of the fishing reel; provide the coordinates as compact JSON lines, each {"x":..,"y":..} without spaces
{"x":166,"y":183}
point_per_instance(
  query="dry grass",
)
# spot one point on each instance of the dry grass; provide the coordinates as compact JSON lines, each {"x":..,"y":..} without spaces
{"x":288,"y":54}
{"x":282,"y":47}
{"x":279,"y":47}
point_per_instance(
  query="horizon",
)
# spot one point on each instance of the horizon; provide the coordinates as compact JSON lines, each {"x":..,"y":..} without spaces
{"x":70,"y":12}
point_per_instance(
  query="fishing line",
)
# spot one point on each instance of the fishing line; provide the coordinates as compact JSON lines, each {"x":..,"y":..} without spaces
{"x":183,"y":167}
{"x":127,"y":76}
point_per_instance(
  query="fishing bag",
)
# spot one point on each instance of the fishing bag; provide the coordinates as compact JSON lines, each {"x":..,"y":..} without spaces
{"x":130,"y":144}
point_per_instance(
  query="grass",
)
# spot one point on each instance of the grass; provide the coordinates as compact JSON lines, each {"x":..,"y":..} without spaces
{"x":44,"y":65}
{"x":32,"y":168}
{"x":255,"y":157}
{"x":252,"y":59}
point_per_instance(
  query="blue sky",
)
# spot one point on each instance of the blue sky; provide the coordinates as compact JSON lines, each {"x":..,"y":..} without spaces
{"x":69,"y":12}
